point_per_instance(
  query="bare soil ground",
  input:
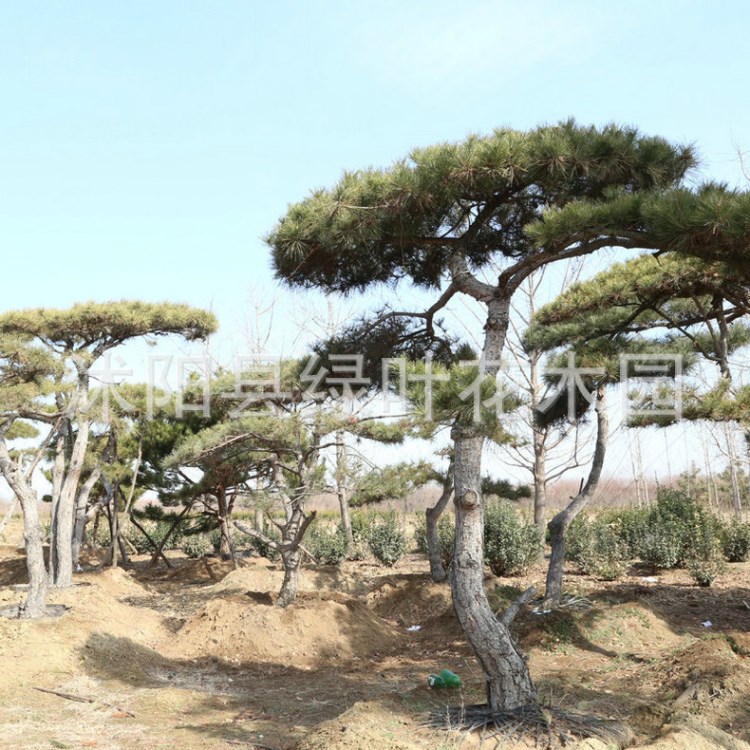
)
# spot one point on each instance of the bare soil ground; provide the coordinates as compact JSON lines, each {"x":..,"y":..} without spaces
{"x":199,"y":657}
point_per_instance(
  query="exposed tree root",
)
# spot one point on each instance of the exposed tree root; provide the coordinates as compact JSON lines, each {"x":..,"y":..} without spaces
{"x":545,"y":726}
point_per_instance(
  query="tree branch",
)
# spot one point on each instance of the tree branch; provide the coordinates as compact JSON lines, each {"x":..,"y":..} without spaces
{"x":464,"y":281}
{"x":258,"y":535}
{"x":511,"y":613}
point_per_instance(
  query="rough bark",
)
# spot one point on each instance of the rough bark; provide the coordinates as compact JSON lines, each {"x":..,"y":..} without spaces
{"x":559,"y":525}
{"x":116,"y":545}
{"x":342,"y":491}
{"x":539,"y":473}
{"x":260,"y":521}
{"x":539,"y":443}
{"x":507,"y":679}
{"x":226,"y":548}
{"x":432,"y":516}
{"x":62,"y":540}
{"x":506,"y":673}
{"x":125,"y":518}
{"x":58,"y":475}
{"x":292,"y":560}
{"x":36,"y":599}
{"x":291,"y":554}
{"x":114,"y":532}
{"x":82,"y":514}
{"x":225,"y":543}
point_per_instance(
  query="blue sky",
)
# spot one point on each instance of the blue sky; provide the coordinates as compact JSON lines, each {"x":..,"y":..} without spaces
{"x":148,"y":146}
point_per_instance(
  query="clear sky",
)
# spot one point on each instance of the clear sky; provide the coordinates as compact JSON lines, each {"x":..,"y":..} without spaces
{"x":147,"y":147}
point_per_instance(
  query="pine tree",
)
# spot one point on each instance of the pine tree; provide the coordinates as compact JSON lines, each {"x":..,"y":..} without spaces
{"x":73,"y":340}
{"x":441,"y":219}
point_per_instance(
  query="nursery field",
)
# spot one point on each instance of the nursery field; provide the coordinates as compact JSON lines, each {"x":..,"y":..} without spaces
{"x":197,"y":656}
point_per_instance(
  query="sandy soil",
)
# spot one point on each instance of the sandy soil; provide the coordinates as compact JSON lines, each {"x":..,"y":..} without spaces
{"x":200,"y":657}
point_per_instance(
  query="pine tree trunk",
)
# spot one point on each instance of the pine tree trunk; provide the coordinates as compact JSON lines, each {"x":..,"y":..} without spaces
{"x":260,"y":521}
{"x":559,"y":525}
{"x":506,"y":673}
{"x":36,"y":599}
{"x":291,"y":561}
{"x":539,"y":469}
{"x":61,"y":544}
{"x":434,"y":551}
{"x":291,"y":552}
{"x":539,"y":473}
{"x":342,"y":490}
{"x":432,"y":517}
{"x":82,"y":516}
{"x":159,"y":551}
{"x":79,"y":530}
{"x":225,"y":544}
{"x":114,"y":526}
{"x":58,"y":474}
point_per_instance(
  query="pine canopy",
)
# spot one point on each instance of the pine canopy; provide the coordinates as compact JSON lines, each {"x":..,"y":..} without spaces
{"x":667,"y":291}
{"x":474,"y":198}
{"x":106,"y":324}
{"x":711,"y":222}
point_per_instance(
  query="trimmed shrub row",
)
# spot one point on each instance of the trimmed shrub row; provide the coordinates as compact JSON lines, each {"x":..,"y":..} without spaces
{"x":677,"y":532}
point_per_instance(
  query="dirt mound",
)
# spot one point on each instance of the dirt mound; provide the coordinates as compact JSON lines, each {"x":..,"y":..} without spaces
{"x":115,"y":582}
{"x":695,"y":737}
{"x":96,"y":606}
{"x":367,"y":725}
{"x":253,"y":575}
{"x":197,"y":571}
{"x":706,"y":660}
{"x":259,"y":575}
{"x":251,"y":629}
{"x":710,"y":680}
{"x":410,"y":600}
{"x":631,"y":628}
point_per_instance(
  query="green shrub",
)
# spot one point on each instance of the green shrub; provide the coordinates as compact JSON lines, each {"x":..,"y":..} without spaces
{"x":705,"y":560}
{"x":578,"y":538}
{"x":387,"y":539}
{"x":510,"y":544}
{"x":420,"y":534}
{"x":214,"y":536}
{"x":670,"y":526}
{"x":327,"y":545}
{"x":599,"y":547}
{"x":362,"y":522}
{"x":197,"y":545}
{"x":677,"y":531}
{"x":103,"y":537}
{"x":606,"y":555}
{"x":735,"y":541}
{"x":630,"y":525}
{"x":664,"y":544}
